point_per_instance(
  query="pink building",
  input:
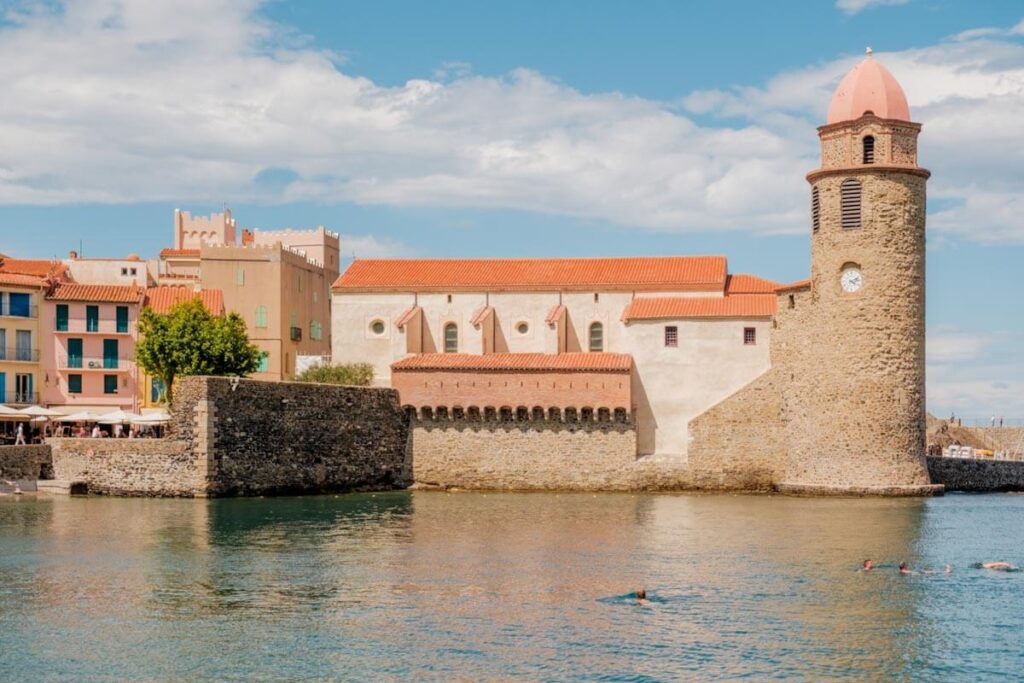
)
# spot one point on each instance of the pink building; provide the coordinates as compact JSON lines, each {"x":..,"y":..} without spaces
{"x":89,"y":334}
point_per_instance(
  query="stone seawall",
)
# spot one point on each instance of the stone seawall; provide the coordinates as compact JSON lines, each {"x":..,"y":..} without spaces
{"x":977,"y":475}
{"x":128,"y":467}
{"x":537,"y":455}
{"x":25,"y":462}
{"x":250,"y":437}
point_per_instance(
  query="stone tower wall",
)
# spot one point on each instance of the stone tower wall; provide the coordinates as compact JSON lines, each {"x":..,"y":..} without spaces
{"x":842,"y":407}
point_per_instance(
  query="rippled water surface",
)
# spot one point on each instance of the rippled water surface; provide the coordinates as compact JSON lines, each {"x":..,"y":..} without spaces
{"x":481,"y":586}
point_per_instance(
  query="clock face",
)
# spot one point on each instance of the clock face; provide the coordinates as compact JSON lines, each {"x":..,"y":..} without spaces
{"x":851,"y":280}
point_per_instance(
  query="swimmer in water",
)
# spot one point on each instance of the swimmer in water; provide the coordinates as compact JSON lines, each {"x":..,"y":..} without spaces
{"x":905,"y":568}
{"x":996,"y":566}
{"x":641,"y":596}
{"x":867,"y":566}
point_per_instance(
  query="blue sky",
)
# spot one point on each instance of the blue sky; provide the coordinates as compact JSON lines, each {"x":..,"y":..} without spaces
{"x":527,"y":128}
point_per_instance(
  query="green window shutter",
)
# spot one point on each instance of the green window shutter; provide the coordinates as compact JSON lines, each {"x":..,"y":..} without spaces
{"x":62,"y":317}
{"x":122,"y":319}
{"x":75,"y":354}
{"x":109,"y":384}
{"x":263,"y":362}
{"x":110,"y":353}
{"x":74,"y":384}
{"x":240,"y":277}
{"x":261,"y":316}
{"x":92,"y":318}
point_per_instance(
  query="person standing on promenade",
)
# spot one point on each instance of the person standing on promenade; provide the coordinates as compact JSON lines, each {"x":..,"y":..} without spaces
{"x":20,"y":439}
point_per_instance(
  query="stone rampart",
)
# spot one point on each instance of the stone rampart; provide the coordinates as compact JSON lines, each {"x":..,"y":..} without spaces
{"x":25,"y":462}
{"x":250,"y":437}
{"x":536,"y":453}
{"x":976,"y":475}
{"x":128,"y":467}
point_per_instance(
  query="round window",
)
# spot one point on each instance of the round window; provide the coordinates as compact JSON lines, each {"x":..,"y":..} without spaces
{"x":377,"y":327}
{"x":522,"y":328}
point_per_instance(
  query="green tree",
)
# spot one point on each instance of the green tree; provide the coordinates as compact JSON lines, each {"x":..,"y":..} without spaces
{"x":353,"y":374}
{"x":188,"y":340}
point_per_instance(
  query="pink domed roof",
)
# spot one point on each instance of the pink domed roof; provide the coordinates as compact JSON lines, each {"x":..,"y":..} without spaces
{"x":869,"y":87}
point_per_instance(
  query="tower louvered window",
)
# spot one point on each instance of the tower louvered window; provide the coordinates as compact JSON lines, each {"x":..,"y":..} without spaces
{"x":849,"y":197}
{"x":869,"y":149}
{"x":815,"y":210}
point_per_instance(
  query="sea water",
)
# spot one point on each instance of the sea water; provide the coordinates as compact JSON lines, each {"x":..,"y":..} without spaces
{"x":477,"y":586}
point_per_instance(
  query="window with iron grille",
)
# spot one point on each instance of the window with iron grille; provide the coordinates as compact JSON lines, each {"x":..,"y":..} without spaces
{"x":869,"y":149}
{"x":749,"y":336}
{"x":671,"y":336}
{"x":451,"y":338}
{"x":849,"y":201}
{"x":596,"y":337}
{"x":815,"y":210}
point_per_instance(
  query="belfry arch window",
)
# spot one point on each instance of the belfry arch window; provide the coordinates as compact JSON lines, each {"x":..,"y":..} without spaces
{"x":815,"y":210}
{"x":869,"y":149}
{"x":451,"y":338}
{"x":849,"y":204}
{"x":596,"y":337}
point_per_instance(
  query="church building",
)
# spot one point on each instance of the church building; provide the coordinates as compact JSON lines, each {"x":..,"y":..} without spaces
{"x":814,"y":385}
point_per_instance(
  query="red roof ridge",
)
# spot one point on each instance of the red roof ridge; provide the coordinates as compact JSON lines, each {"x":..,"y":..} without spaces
{"x":481,"y":315}
{"x":732,"y":306}
{"x":659,"y":273}
{"x":407,"y":316}
{"x":518,"y":362}
{"x":555,"y":314}
{"x":744,"y":283}
{"x":799,"y":284}
{"x":73,"y":291}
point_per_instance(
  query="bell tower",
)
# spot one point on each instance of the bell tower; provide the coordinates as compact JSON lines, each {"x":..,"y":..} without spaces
{"x":867,"y":278}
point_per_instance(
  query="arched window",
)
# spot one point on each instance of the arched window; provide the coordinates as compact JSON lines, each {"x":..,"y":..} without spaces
{"x":451,"y":338}
{"x":596,"y":337}
{"x":869,"y":149}
{"x":815,"y":210}
{"x":849,"y":199}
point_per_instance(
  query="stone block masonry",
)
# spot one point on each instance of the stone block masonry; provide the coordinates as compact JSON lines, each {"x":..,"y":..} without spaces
{"x":249,"y":437}
{"x":977,"y":475}
{"x":536,"y":454}
{"x":243,"y":437}
{"x":18,"y":463}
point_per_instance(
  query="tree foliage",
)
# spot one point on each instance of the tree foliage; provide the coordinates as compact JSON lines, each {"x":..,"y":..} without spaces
{"x":353,"y":374}
{"x":189,"y":340}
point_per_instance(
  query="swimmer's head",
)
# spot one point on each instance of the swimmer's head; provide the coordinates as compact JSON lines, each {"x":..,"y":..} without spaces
{"x":641,"y":594}
{"x":869,"y":564}
{"x":903,"y":566}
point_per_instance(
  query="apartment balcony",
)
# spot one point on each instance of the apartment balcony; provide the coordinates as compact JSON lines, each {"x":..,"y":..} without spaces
{"x":19,"y":311}
{"x":12,"y":397}
{"x":106,"y":365}
{"x":18,"y":354}
{"x":84,"y":326}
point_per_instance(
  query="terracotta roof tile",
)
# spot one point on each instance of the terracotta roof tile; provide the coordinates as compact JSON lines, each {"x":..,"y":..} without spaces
{"x":556,"y":312}
{"x":799,"y":284}
{"x":120,"y":294}
{"x":165,"y":253}
{"x":749,"y":284}
{"x":34,"y":267}
{"x":407,"y":316}
{"x":679,"y":273}
{"x":519,"y":362}
{"x":18,"y":280}
{"x":162,"y":299}
{"x":481,"y":315}
{"x":735,"y":306}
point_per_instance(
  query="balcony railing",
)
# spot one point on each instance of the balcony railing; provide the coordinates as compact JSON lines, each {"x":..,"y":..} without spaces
{"x":12,"y":397}
{"x":95,"y":363}
{"x":84,"y":325}
{"x":19,"y":311}
{"x":18,"y":353}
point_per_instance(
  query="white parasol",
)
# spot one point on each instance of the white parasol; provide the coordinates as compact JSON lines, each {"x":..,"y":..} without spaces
{"x":117,"y":417}
{"x":83,"y":416}
{"x":154,"y":418}
{"x":39,"y":411}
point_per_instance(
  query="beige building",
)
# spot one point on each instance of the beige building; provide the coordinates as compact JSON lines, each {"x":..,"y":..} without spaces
{"x":278,"y":281}
{"x":694,"y":333}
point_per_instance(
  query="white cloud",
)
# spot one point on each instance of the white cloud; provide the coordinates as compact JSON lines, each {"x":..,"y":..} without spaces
{"x":370,"y":246}
{"x":946,"y":346}
{"x":201,"y":100}
{"x":855,"y":6}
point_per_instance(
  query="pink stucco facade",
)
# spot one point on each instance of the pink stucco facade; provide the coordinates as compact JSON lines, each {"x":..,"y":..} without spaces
{"x":89,"y":347}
